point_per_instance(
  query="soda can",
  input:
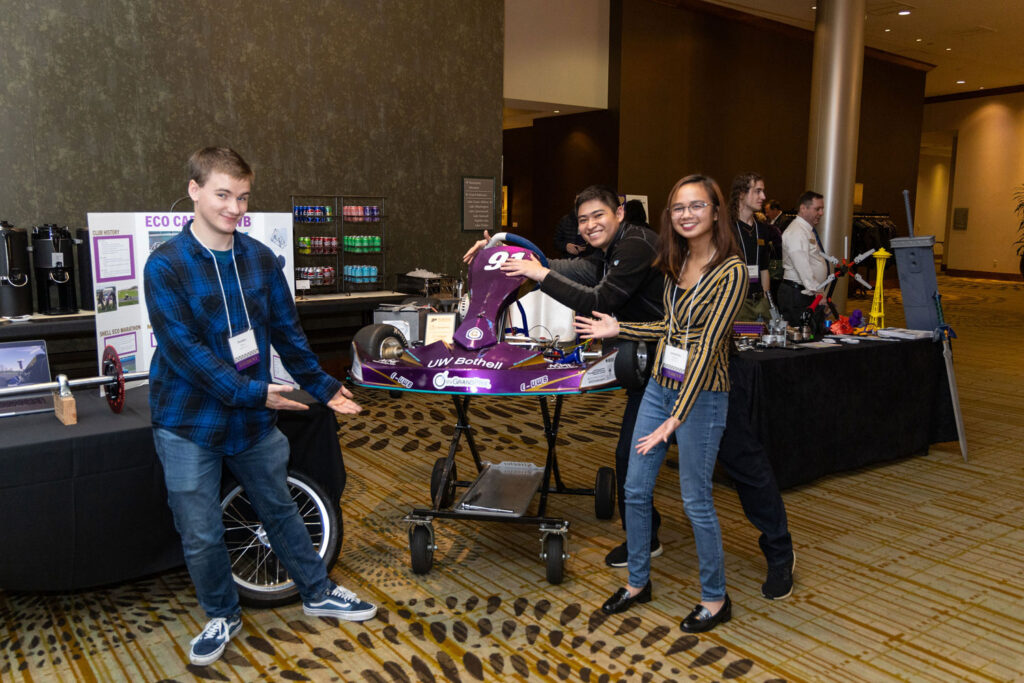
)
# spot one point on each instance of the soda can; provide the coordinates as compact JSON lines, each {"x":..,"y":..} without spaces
{"x":328,"y":212}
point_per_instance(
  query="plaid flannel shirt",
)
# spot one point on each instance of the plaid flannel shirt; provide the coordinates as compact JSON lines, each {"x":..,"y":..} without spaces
{"x":195,"y":390}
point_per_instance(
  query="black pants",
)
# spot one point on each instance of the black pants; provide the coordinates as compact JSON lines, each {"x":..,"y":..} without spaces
{"x":746,"y":462}
{"x":793,"y":303}
{"x":622,"y":450}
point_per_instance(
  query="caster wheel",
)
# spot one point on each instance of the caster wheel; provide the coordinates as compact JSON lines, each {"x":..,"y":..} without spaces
{"x":421,"y":548}
{"x":604,"y":493}
{"x":448,"y":495}
{"x":554,"y":556}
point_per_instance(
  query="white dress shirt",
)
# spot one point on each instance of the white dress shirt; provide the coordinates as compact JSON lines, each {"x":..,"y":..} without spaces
{"x":802,"y":260}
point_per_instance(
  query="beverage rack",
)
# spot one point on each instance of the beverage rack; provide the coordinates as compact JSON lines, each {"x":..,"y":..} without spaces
{"x":339,"y":242}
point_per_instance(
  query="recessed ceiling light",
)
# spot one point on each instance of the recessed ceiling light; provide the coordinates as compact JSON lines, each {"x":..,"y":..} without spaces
{"x":555,"y":111}
{"x":903,"y":12}
{"x":888,"y":30}
{"x":981,"y":87}
{"x":814,"y":7}
{"x":918,"y":40}
{"x":949,"y":49}
{"x":960,"y":82}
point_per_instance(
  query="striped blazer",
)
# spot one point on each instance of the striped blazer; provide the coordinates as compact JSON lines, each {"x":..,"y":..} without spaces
{"x":716,"y":301}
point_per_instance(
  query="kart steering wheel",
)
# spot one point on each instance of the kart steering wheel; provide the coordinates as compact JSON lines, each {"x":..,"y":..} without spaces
{"x":519,"y":242}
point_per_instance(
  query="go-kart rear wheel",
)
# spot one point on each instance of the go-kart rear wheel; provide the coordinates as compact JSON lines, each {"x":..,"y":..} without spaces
{"x":421,"y":549}
{"x":604,"y":493}
{"x":448,"y":494}
{"x":380,"y":341}
{"x":554,"y":557}
{"x":632,"y":364}
{"x":259,"y":575}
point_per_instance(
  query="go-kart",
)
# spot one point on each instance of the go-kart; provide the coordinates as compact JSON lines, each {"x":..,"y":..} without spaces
{"x":486,"y":356}
{"x":493,"y":354}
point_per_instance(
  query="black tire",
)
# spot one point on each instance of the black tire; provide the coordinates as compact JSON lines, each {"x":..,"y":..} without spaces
{"x":554,"y":547}
{"x":377,"y":340}
{"x":604,"y":493}
{"x":448,"y":495}
{"x":632,"y":364}
{"x":261,"y":579}
{"x":420,"y":550}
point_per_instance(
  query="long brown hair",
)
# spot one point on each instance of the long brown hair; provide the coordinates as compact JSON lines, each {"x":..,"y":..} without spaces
{"x":673,"y":247}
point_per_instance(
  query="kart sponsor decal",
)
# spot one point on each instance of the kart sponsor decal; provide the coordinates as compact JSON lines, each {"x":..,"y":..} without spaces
{"x":474,"y":334}
{"x":357,"y":368}
{"x":407,"y":383}
{"x":443,"y":380}
{"x":602,"y":372}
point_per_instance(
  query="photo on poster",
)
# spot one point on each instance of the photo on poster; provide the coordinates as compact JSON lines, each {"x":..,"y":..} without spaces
{"x":159,"y":237}
{"x":106,"y":299}
{"x":128,"y":296}
{"x":22,"y":364}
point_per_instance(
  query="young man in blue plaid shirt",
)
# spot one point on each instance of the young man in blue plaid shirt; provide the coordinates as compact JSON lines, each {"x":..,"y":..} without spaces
{"x":217,"y":300}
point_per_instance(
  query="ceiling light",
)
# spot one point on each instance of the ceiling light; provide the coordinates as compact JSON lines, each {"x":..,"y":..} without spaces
{"x":918,"y":40}
{"x":888,"y":30}
{"x":903,"y":12}
{"x":949,"y":49}
{"x":960,"y":82}
{"x":555,"y":111}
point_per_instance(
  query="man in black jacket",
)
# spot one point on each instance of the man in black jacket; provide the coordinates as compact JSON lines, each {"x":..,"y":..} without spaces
{"x":617,"y":278}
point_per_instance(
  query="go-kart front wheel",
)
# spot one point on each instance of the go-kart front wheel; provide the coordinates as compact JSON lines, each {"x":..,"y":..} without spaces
{"x":380,"y":341}
{"x":259,"y":575}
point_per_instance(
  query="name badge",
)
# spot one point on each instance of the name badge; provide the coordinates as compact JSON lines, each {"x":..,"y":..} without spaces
{"x":753,"y":273}
{"x":673,"y":365}
{"x":244,"y":350}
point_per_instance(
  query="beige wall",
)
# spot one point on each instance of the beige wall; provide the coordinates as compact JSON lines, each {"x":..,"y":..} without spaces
{"x":932,"y":196}
{"x":557,"y":51}
{"x":989,"y":169}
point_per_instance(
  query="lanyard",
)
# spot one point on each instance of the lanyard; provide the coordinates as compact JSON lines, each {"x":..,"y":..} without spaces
{"x":238,"y":279}
{"x":689,"y":311}
{"x":743,"y":243}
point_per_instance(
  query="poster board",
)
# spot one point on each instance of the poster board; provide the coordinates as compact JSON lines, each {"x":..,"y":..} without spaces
{"x":119,"y":245}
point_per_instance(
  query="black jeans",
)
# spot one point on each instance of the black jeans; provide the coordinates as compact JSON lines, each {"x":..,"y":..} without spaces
{"x":622,"y":450}
{"x":746,"y":462}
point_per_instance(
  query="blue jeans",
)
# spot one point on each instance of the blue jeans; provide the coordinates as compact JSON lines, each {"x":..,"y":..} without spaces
{"x":698,"y":439}
{"x":193,"y":477}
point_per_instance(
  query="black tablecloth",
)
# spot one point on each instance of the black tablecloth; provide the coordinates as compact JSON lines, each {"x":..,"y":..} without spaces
{"x":85,"y":505}
{"x":819,"y":411}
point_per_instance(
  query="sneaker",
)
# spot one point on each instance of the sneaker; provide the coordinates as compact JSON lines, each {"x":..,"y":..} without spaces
{"x":209,"y":645}
{"x":619,"y":555}
{"x":340,"y":603}
{"x":779,"y":583}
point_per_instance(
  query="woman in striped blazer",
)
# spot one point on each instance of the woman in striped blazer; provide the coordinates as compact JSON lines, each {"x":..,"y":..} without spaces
{"x":705,"y":285}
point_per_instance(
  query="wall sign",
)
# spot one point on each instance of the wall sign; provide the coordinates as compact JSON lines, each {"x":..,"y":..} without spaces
{"x":477,"y":203}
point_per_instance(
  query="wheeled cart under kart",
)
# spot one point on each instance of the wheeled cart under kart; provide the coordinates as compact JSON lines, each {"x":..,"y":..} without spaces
{"x":503,"y":492}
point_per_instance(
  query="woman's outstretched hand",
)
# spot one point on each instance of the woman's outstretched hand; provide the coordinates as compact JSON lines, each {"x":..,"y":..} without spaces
{"x":660,"y":435}
{"x":601,"y":326}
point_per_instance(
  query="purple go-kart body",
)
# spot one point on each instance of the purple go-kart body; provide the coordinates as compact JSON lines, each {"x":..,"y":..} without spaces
{"x":477,"y":362}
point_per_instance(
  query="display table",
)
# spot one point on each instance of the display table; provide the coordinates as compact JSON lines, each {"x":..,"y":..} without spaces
{"x":820,"y":411}
{"x":85,"y":505}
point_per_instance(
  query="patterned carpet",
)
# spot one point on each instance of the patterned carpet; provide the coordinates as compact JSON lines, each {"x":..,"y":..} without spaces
{"x":907,"y":571}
